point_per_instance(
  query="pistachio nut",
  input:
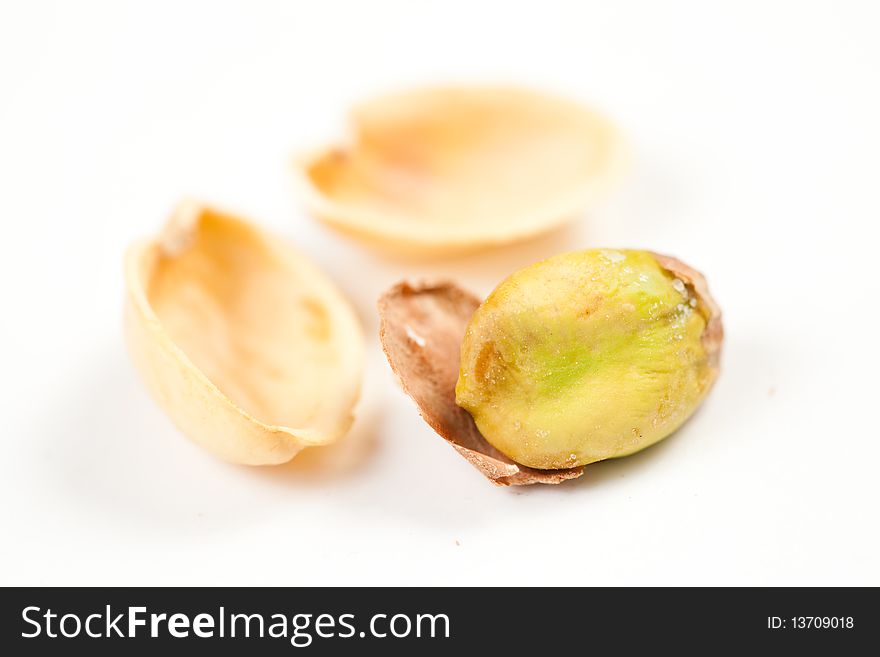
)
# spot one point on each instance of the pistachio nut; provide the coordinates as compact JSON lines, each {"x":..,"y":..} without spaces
{"x":585,"y":356}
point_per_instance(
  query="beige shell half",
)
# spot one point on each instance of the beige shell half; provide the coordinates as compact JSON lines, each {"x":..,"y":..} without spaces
{"x":247,"y":346}
{"x":448,"y":169}
{"x":421,"y":328}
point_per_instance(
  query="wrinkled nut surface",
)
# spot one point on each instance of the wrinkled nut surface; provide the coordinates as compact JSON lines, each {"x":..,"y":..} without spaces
{"x":446,"y":169}
{"x":421,"y":330}
{"x":249,"y":348}
{"x":588,"y":356}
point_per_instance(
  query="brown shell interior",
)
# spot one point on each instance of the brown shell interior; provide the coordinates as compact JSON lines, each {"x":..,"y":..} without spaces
{"x":421,"y":329}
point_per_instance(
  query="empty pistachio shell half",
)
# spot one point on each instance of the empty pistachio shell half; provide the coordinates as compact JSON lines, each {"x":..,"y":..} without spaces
{"x":582,"y":357}
{"x":455,"y":168}
{"x":421,"y":328}
{"x":249,"y":348}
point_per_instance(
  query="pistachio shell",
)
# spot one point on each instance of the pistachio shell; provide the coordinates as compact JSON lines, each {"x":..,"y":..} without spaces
{"x":447,"y":169}
{"x":248,"y":347}
{"x":421,"y":329}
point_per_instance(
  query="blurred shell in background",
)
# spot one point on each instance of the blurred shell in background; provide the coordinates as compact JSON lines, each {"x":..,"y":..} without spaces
{"x":450,"y":169}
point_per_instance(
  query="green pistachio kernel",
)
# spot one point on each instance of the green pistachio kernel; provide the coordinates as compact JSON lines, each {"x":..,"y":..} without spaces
{"x":586,"y":356}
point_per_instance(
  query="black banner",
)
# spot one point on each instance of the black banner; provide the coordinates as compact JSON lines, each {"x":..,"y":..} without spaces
{"x":321,"y":621}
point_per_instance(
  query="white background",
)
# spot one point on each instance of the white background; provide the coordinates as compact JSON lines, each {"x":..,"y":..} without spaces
{"x":754,"y":129}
